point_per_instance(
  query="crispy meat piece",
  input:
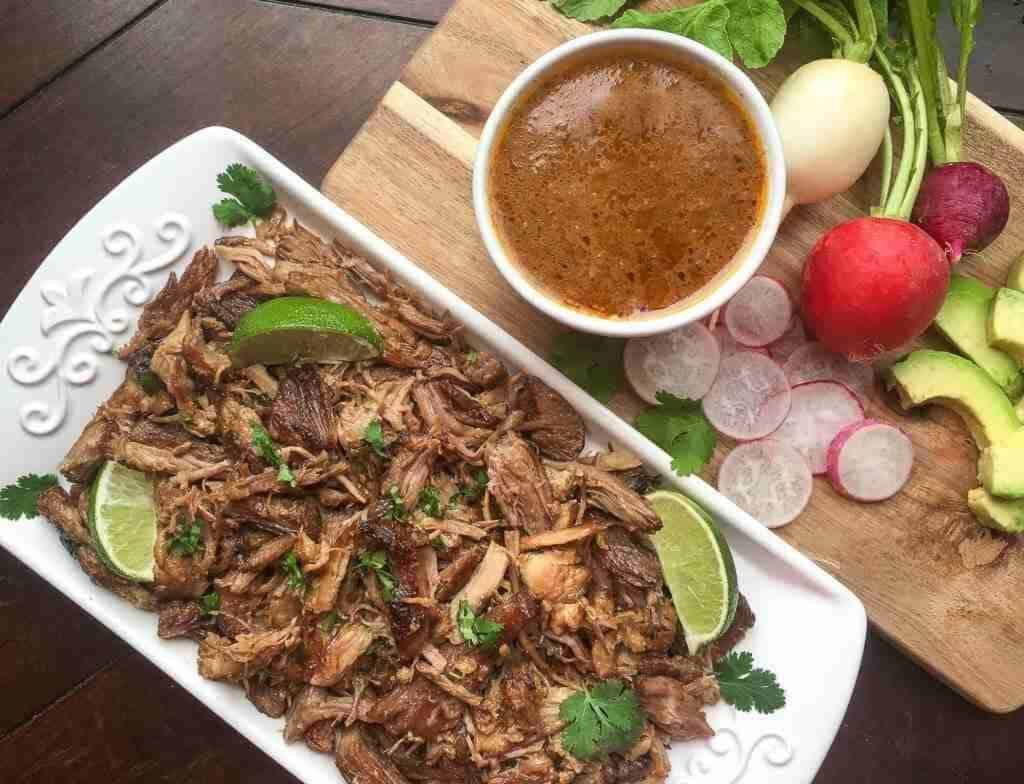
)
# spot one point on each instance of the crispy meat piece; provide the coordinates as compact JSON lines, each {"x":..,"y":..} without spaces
{"x":344,"y":649}
{"x":320,"y":737}
{"x":553,"y":425}
{"x":90,"y":450}
{"x":60,"y":509}
{"x":554,"y":575}
{"x":313,"y":705}
{"x":515,"y":614}
{"x":133,"y":593}
{"x":467,"y":409}
{"x":412,"y":626}
{"x":519,"y":484}
{"x":436,"y":409}
{"x":360,"y":762}
{"x":165,"y":310}
{"x":278,"y":514}
{"x":742,"y":622}
{"x":534,"y":769}
{"x":458,"y":571}
{"x":680,"y":668}
{"x":301,"y":413}
{"x":481,"y":369}
{"x":627,"y":560}
{"x":485,"y":580}
{"x":270,"y":699}
{"x":419,"y":708}
{"x":221,"y":659}
{"x":676,"y":708}
{"x":411,"y":468}
{"x":179,"y":619}
{"x":228,"y":301}
{"x":235,"y":423}
{"x":339,"y":539}
{"x":606,"y":491}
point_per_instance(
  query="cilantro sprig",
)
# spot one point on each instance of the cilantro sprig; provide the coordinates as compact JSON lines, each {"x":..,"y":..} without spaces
{"x":429,"y":502}
{"x":592,"y":362}
{"x":394,"y":505}
{"x":293,"y":570}
{"x":209,"y":603}
{"x":376,"y":561}
{"x":265,"y":445}
{"x":19,"y":499}
{"x":601,"y":720}
{"x":374,"y":436}
{"x":679,"y":427}
{"x":254,"y":196}
{"x":188,"y":539}
{"x":476,"y":629}
{"x":746,"y":687}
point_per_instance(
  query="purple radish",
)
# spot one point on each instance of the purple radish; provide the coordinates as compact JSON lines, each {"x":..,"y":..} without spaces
{"x":820,"y":410}
{"x":768,"y":480}
{"x":749,"y":399}
{"x":683,"y":362}
{"x":814,"y":362}
{"x":728,"y":345}
{"x":870,"y":461}
{"x":963,"y":206}
{"x":760,"y":313}
{"x":795,"y":337}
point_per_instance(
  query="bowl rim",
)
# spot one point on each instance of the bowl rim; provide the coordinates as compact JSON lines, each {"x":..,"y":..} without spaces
{"x":757,"y":248}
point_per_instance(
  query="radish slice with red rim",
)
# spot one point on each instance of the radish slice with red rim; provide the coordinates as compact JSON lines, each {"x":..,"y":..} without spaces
{"x":814,"y":362}
{"x":684,"y":362}
{"x":795,"y":337}
{"x":870,"y":461}
{"x":749,"y":399}
{"x":760,"y":313}
{"x":767,"y":479}
{"x":820,"y":410}
{"x":728,"y":345}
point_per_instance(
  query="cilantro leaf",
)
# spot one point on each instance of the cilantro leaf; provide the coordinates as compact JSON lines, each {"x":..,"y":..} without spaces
{"x":430,"y":501}
{"x":394,"y":504}
{"x":475,"y":629}
{"x":746,"y":687}
{"x":589,"y":10}
{"x":374,"y":436}
{"x":477,"y":487}
{"x":188,"y":539}
{"x":680,"y":428}
{"x":264,"y":444}
{"x":377,"y":562}
{"x":19,"y":499}
{"x":254,"y":196}
{"x":706,"y":23}
{"x":592,"y":362}
{"x":290,"y":566}
{"x":600,"y":720}
{"x":209,"y":603}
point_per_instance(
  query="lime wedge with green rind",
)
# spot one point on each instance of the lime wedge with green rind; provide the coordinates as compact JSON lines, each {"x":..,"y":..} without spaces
{"x":122,"y":521}
{"x":698,"y":568}
{"x":291,"y":329}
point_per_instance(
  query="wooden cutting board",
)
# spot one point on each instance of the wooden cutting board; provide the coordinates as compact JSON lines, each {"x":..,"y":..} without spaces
{"x":946,"y":591}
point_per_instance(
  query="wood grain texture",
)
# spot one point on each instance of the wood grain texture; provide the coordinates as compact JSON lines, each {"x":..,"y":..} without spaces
{"x":907,"y":558}
{"x":421,"y":10}
{"x":71,"y":30}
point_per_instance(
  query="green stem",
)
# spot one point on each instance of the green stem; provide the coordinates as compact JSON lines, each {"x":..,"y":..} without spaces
{"x":921,"y":157}
{"x":955,"y":119}
{"x":868,"y":27}
{"x":886,"y":166}
{"x":891,"y":203}
{"x":833,"y":25}
{"x":922,"y":27}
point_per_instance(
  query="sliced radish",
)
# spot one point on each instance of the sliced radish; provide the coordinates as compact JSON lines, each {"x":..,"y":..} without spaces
{"x":870,"y":461}
{"x":728,"y":345}
{"x":795,"y":337}
{"x":814,"y":362}
{"x":749,"y":399}
{"x":820,"y":409}
{"x":767,"y":479}
{"x":760,"y":313}
{"x":684,"y":362}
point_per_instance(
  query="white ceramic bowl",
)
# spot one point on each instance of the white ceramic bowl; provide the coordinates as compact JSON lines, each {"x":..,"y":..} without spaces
{"x":718,"y":291}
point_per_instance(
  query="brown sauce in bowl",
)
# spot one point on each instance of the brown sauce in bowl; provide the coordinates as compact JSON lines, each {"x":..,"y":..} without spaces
{"x":627,"y":182}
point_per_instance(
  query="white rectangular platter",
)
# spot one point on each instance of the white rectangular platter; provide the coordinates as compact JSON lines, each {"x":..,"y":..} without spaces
{"x":55,"y":346}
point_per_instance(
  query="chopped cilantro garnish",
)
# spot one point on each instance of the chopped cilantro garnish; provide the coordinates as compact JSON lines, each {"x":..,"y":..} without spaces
{"x":429,"y":501}
{"x":188,"y":539}
{"x":394,"y":505}
{"x":374,"y":436}
{"x":601,"y":720}
{"x":209,"y":603}
{"x":265,"y":445}
{"x":377,"y":562}
{"x":290,"y":566}
{"x":475,"y":629}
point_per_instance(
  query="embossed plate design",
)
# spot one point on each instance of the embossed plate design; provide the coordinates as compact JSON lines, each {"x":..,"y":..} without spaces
{"x":56,"y":343}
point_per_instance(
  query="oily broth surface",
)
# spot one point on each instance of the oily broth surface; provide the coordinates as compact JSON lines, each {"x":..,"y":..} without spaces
{"x":626,"y":183}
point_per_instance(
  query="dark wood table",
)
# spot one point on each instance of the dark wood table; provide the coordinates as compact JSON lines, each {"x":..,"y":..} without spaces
{"x":89,"y":90}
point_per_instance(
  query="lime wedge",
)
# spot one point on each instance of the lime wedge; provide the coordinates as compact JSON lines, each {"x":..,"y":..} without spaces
{"x":288,"y":329}
{"x":698,"y":568}
{"x":122,"y":521}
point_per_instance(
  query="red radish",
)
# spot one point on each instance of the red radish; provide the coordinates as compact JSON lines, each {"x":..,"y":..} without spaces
{"x":819,"y":411}
{"x":872,"y":285}
{"x":963,"y":206}
{"x":728,"y":345}
{"x":684,"y":362}
{"x":749,"y":399}
{"x":870,"y":461}
{"x":794,"y":338}
{"x":814,"y":362}
{"x":760,"y":313}
{"x":767,"y":479}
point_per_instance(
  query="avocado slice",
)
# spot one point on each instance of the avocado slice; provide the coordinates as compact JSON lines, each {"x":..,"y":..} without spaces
{"x":1015,"y":280}
{"x":1001,"y":467}
{"x":954,"y":382}
{"x":964,"y":321}
{"x":996,"y":513}
{"x":1006,"y":322}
